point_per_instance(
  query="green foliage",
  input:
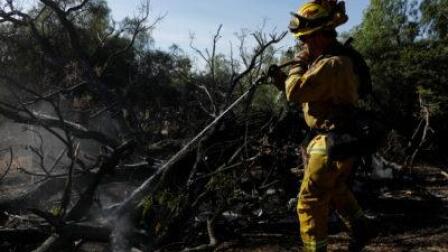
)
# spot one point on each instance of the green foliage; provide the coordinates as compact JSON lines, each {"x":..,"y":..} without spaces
{"x":56,"y":210}
{"x":386,"y":23}
{"x":224,"y":187}
{"x":170,"y":200}
{"x":408,"y":68}
{"x":219,"y":183}
{"x":146,"y":204}
{"x":436,"y":103}
{"x":158,"y":211}
{"x":435,"y":17}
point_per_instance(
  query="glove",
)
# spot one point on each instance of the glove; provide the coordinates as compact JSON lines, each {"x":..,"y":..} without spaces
{"x":277,"y":76}
{"x":303,"y":55}
{"x":274,"y":71}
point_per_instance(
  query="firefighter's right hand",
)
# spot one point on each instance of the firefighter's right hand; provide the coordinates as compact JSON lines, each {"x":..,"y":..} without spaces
{"x":278,"y":77}
{"x":303,"y":55}
{"x":302,"y":59}
{"x":274,"y":71}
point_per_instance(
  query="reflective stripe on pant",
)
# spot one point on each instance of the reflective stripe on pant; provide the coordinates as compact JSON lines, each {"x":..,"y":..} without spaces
{"x":323,"y":185}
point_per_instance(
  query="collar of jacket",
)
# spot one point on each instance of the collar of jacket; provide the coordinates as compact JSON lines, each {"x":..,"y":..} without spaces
{"x":334,"y":49}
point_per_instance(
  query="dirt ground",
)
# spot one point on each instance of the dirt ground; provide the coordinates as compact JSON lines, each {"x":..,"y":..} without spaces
{"x":411,"y":214}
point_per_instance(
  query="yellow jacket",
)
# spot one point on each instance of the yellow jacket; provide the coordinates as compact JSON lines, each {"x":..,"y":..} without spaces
{"x":327,"y":91}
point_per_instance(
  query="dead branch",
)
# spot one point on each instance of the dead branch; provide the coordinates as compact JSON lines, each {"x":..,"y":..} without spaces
{"x":69,"y":27}
{"x":85,"y":202}
{"x":57,"y":160}
{"x":54,"y":93}
{"x":81,"y":58}
{"x":241,"y":48}
{"x":422,"y":131}
{"x":64,"y":232}
{"x":48,"y":187}
{"x":51,"y":243}
{"x":33,"y":195}
{"x":13,"y":15}
{"x":138,"y":27}
{"x":77,"y":130}
{"x":151,"y":185}
{"x":66,"y":196}
{"x":211,"y":100}
{"x":212,"y":56}
{"x":210,"y":60}
{"x":42,"y":175}
{"x":389,"y":164}
{"x":77,"y":7}
{"x":444,"y":173}
{"x":8,"y":167}
{"x":39,"y":152}
{"x":212,"y":238}
{"x":263,"y":45}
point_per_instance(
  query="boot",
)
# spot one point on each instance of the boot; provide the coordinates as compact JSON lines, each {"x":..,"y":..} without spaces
{"x":356,"y":245}
{"x":362,"y":231}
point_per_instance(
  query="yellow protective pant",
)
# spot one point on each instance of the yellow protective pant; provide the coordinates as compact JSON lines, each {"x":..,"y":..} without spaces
{"x":324,"y":186}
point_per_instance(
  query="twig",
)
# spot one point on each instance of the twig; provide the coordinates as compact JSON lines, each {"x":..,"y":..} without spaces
{"x":9,"y":165}
{"x":86,"y":200}
{"x":263,"y":46}
{"x":423,"y":128}
{"x":445,"y":174}
{"x":58,"y":159}
{"x":65,"y":201}
{"x":48,"y":244}
{"x":77,"y":130}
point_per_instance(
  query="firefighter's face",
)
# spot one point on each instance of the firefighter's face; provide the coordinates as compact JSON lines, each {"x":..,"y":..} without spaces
{"x":308,"y":39}
{"x":315,"y":42}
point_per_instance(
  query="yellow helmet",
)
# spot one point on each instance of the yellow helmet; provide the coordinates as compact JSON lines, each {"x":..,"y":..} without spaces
{"x":317,"y":15}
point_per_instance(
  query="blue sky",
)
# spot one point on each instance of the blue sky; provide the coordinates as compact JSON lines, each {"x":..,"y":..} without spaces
{"x":203,"y":17}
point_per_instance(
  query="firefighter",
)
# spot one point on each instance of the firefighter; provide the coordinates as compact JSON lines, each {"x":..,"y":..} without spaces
{"x":326,"y":84}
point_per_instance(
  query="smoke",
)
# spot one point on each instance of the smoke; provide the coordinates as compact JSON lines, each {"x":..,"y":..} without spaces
{"x":38,"y":153}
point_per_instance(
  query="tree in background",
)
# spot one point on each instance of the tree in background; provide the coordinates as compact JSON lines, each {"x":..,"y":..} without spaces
{"x":435,"y":17}
{"x":112,"y":102}
{"x":74,"y":57}
{"x":406,"y":51}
